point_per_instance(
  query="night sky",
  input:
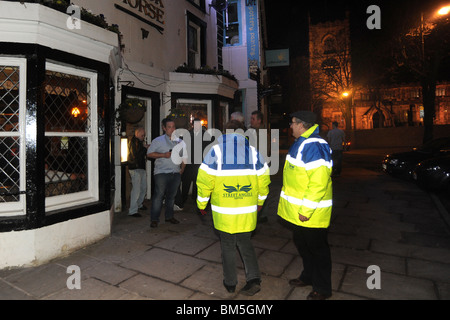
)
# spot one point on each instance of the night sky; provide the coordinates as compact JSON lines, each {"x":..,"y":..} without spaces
{"x":287,"y":23}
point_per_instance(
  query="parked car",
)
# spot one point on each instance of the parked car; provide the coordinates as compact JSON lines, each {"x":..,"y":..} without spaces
{"x":433,"y":174}
{"x":403,"y":163}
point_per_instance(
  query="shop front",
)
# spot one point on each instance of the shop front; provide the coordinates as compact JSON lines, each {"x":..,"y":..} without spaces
{"x":55,"y":129}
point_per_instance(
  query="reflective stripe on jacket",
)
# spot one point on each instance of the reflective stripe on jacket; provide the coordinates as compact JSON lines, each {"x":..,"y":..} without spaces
{"x":307,"y":187}
{"x":236,"y":179}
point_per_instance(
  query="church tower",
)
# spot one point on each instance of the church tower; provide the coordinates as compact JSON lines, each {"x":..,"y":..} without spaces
{"x":331,"y":72}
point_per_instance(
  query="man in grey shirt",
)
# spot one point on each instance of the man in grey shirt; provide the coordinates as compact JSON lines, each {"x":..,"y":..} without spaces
{"x":169,"y":152}
{"x":336,"y":139}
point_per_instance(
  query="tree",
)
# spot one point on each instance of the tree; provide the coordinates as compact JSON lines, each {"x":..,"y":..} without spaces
{"x":331,"y":74}
{"x":421,"y":51}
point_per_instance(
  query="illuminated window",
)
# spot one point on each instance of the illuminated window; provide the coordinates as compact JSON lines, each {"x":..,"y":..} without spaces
{"x":12,"y":155}
{"x":70,"y":108}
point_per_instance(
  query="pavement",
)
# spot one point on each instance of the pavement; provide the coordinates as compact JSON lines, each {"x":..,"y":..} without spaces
{"x":388,"y":241}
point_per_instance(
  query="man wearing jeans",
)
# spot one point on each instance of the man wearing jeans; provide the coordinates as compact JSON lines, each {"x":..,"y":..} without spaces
{"x":169,"y":152}
{"x":137,"y":150}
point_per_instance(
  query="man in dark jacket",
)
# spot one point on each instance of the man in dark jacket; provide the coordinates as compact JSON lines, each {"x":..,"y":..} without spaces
{"x":197,"y":146}
{"x":137,"y":156}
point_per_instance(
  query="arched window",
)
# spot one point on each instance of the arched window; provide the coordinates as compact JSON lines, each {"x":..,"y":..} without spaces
{"x":329,"y":45}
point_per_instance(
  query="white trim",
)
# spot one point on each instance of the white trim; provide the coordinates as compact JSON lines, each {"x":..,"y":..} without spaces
{"x":203,"y":199}
{"x":19,"y":207}
{"x":233,"y":211}
{"x":90,"y":195}
{"x":305,"y":202}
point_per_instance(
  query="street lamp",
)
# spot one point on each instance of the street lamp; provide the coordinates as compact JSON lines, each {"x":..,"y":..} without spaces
{"x":444,"y":10}
{"x":348,"y":99}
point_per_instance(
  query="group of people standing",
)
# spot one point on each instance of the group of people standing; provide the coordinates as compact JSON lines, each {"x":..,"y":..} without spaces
{"x":234,"y":179}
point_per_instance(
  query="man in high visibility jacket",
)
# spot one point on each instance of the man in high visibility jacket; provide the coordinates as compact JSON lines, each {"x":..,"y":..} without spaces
{"x":306,"y":202}
{"x":236,"y":179}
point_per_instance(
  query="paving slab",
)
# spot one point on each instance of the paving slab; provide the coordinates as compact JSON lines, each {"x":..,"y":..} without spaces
{"x":109,"y":273}
{"x":365,"y":258}
{"x":208,"y":280}
{"x":9,"y":292}
{"x":154,"y":288}
{"x":393,"y":286}
{"x":40,"y":281}
{"x":274,"y":263}
{"x":93,"y":289}
{"x":185,"y":243}
{"x":411,"y":251}
{"x":166,"y":265}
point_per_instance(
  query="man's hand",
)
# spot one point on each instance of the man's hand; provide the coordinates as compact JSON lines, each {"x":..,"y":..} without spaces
{"x":259,"y":208}
{"x":203,"y":212}
{"x":302,"y":218}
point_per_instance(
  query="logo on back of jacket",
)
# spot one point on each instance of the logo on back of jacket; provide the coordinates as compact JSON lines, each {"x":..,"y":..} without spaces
{"x":238,"y":191}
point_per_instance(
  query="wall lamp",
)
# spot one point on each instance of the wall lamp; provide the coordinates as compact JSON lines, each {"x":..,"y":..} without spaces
{"x":123,"y":148}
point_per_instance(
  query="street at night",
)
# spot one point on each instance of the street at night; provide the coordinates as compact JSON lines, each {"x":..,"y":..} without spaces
{"x":378,"y":221}
{"x":136,"y":138}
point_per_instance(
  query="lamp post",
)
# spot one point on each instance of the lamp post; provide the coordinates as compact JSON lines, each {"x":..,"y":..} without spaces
{"x":429,"y":67}
{"x":347,"y":96}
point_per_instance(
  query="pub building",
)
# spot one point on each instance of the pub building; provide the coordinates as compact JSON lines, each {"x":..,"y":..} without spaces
{"x":77,"y":77}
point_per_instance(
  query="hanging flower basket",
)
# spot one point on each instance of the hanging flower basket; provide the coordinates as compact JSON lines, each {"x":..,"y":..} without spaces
{"x":131,"y":111}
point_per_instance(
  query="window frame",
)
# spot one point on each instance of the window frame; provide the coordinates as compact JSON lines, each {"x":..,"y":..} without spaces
{"x":191,"y":19}
{"x":18,"y":208}
{"x":239,"y":23}
{"x":200,"y":5}
{"x":92,"y":192}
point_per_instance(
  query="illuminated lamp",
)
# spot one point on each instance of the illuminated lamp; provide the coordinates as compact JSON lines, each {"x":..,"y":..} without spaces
{"x":123,"y":148}
{"x":75,"y":112}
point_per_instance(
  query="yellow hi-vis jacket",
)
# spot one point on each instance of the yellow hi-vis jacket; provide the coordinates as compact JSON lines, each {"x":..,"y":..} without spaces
{"x":307,"y":188}
{"x":236,"y":178}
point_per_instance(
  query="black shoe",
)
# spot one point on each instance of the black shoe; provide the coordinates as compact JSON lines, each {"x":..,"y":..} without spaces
{"x":154,"y":224}
{"x":136,"y":215}
{"x":298,"y":283}
{"x":173,"y":221}
{"x":314,"y":295}
{"x":143,"y":208}
{"x":230,"y":289}
{"x":251,"y":288}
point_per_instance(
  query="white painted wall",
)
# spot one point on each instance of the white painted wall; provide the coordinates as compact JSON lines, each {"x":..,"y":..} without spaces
{"x":34,"y":247}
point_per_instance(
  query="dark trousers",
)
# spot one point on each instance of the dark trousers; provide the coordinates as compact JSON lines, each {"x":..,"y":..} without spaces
{"x":312,"y":245}
{"x":189,"y":177}
{"x":228,"y":243}
{"x":336,"y":156}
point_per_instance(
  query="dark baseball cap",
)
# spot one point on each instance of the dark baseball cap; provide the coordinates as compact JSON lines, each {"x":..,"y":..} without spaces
{"x":304,"y":115}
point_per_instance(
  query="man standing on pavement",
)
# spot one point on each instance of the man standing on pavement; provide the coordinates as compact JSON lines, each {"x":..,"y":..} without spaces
{"x":336,"y":139}
{"x":167,"y":171}
{"x":236,"y":178}
{"x":189,"y":176}
{"x":306,"y":203}
{"x":137,"y":151}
